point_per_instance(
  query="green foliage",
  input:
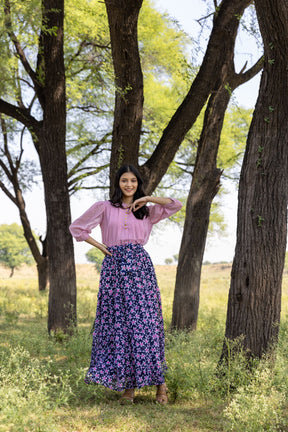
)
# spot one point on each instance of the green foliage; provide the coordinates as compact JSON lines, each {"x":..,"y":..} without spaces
{"x":164,"y":51}
{"x":38,"y":389}
{"x":168,"y":261}
{"x":258,"y":406}
{"x":14,"y":250}
{"x":167,"y":69}
{"x":94,"y":255}
{"x":90,"y":82}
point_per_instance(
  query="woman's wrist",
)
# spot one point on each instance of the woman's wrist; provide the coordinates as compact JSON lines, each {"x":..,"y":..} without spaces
{"x":160,"y":200}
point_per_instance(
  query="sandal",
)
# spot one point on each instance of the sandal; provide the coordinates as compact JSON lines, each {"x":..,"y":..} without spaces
{"x":161,"y":394}
{"x":127,"y":397}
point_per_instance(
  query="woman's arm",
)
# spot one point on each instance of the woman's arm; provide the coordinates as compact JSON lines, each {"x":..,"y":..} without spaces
{"x":98,"y":245}
{"x":140,"y":202}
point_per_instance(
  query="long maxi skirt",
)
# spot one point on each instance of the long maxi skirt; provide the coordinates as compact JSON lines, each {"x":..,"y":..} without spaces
{"x":128,"y":337}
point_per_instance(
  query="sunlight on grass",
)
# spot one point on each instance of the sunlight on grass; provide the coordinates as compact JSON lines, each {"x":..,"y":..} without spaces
{"x":42,"y":387}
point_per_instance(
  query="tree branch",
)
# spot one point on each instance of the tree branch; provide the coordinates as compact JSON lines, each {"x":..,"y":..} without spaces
{"x":19,"y":50}
{"x":6,"y":171}
{"x":21,"y":114}
{"x":218,"y":52}
{"x":254,"y":70}
{"x":6,"y":151}
{"x":7,"y":192}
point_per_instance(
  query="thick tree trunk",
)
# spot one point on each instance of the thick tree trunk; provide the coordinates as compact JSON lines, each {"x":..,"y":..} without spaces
{"x":51,"y":147}
{"x":255,"y":292}
{"x":49,"y":136}
{"x":128,"y":113}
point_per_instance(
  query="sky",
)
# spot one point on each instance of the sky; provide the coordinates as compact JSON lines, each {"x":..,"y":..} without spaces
{"x":165,"y":240}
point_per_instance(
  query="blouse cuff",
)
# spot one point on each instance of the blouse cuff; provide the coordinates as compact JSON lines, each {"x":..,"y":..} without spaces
{"x":82,"y":236}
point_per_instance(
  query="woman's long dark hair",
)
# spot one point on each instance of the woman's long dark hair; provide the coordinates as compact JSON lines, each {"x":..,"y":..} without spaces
{"x":116,"y":199}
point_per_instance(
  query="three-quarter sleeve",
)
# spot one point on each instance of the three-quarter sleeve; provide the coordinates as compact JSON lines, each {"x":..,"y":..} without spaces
{"x":158,"y":212}
{"x":81,"y":228}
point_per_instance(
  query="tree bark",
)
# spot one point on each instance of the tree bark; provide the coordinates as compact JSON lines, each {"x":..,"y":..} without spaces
{"x":254,"y":303}
{"x":128,"y":112}
{"x":52,"y":154}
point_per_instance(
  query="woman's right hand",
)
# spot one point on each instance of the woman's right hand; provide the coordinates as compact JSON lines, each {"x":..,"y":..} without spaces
{"x":98,"y":245}
{"x":104,"y":249}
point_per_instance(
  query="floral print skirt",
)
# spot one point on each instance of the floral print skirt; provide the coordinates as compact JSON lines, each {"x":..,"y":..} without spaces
{"x":128,"y":336}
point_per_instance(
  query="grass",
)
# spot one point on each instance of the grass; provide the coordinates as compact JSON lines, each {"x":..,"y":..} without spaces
{"x":42,"y":386}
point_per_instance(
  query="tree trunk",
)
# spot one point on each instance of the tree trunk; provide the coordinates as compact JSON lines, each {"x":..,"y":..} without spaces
{"x":128,"y":113}
{"x":43,"y":274}
{"x":41,"y":260}
{"x":254,"y":303}
{"x":204,"y":187}
{"x":62,"y":293}
{"x":43,"y":266}
{"x":11,"y":171}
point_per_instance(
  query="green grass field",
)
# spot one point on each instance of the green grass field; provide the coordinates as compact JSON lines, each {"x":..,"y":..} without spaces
{"x":42,"y":386}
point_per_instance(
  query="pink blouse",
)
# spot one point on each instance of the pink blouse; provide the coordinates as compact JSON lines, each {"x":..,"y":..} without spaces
{"x":119,"y":227}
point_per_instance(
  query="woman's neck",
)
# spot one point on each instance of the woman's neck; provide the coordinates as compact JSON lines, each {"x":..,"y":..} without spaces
{"x":127,"y":200}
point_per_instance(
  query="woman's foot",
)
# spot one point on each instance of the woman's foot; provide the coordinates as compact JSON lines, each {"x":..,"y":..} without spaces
{"x":127,"y":397}
{"x":161,"y":394}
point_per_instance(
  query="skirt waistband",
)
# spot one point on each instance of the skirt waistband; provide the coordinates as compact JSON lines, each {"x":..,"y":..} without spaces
{"x":126,"y":247}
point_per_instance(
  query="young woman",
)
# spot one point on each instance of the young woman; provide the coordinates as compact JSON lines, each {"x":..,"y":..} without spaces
{"x":128,"y":337}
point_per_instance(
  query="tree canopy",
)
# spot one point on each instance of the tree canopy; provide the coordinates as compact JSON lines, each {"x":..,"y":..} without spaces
{"x":95,"y":256}
{"x":14,"y":249}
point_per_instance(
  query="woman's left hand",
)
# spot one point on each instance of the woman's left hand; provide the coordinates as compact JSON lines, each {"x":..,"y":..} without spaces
{"x":137,"y":204}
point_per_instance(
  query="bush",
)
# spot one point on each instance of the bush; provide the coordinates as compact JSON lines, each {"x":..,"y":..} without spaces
{"x":28,"y":390}
{"x":257,"y":406}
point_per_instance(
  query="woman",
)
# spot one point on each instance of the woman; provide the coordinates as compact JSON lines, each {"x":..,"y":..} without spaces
{"x":128,"y":338}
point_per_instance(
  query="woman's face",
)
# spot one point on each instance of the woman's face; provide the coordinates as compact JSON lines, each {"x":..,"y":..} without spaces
{"x":128,"y":184}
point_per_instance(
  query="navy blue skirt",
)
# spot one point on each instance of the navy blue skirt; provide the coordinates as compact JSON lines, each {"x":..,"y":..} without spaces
{"x":128,"y":337}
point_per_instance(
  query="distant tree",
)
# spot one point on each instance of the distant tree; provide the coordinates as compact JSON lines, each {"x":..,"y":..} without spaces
{"x":16,"y":176}
{"x":168,"y":261}
{"x":95,"y":256}
{"x":14,"y":249}
{"x":175,"y":257}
